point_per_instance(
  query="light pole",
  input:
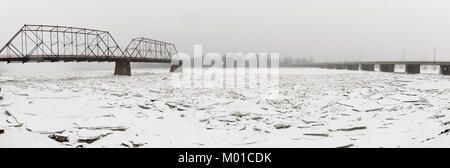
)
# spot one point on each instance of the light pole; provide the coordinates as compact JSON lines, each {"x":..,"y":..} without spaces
{"x":403,"y":56}
{"x":434,"y":54}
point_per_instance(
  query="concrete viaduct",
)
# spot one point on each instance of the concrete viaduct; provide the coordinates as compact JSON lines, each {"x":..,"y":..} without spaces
{"x":411,"y":67}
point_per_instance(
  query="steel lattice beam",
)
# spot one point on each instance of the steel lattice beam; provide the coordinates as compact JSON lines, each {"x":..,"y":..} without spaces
{"x":58,"y":42}
{"x":61,"y":43}
{"x":149,"y":48}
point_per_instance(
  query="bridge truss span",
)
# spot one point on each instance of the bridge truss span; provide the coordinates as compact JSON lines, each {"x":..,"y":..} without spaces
{"x":143,"y":48}
{"x":60,"y":43}
{"x":46,"y":43}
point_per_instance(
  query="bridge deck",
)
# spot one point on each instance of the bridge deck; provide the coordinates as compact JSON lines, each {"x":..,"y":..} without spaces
{"x":81,"y":59}
{"x":387,"y":62}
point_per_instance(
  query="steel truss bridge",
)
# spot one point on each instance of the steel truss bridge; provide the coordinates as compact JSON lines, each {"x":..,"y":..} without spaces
{"x":47,"y":43}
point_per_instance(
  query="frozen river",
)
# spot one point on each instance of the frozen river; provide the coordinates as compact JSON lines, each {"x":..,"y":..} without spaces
{"x":315,"y":108}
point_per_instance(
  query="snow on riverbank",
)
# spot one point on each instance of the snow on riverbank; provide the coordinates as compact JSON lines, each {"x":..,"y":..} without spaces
{"x":316,"y":108}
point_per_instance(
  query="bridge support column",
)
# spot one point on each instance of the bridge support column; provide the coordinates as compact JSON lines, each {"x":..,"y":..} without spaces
{"x":412,"y":68}
{"x":368,"y":67}
{"x":387,"y":67}
{"x":174,"y":67}
{"x":123,"y":67}
{"x":444,"y":69}
{"x":352,"y":67}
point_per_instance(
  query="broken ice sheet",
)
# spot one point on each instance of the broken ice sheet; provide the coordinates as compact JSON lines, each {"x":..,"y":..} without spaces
{"x":38,"y":124}
{"x":354,"y":126}
{"x":250,"y":94}
{"x":388,"y":102}
{"x":377,"y":96}
{"x":350,"y":128}
{"x":106,"y":123}
{"x":430,"y":85}
{"x":46,"y":125}
{"x":367,"y":107}
{"x":225,"y":118}
{"x":133,"y":144}
{"x":316,"y":132}
{"x":316,"y":95}
{"x":239,"y":113}
{"x":359,"y":93}
{"x":405,"y":98}
{"x":89,"y":136}
{"x":282,"y":125}
{"x":355,"y":102}
{"x":59,"y":137}
{"x":242,"y":107}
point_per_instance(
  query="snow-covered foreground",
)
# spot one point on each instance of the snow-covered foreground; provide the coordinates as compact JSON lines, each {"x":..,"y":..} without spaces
{"x":316,"y":108}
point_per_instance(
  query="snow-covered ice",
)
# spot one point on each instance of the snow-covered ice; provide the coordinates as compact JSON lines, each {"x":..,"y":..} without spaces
{"x":316,"y":108}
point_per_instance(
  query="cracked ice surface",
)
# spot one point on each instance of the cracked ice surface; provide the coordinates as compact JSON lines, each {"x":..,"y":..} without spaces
{"x":316,"y":108}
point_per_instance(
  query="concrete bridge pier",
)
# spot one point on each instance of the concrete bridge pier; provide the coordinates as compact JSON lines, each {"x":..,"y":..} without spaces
{"x":352,"y":67}
{"x":174,"y":67}
{"x":123,"y":67}
{"x":444,"y":69}
{"x":387,"y":67}
{"x":368,"y":67}
{"x":412,"y":68}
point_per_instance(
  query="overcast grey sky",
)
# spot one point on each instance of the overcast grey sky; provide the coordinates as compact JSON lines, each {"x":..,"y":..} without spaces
{"x":331,"y":30}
